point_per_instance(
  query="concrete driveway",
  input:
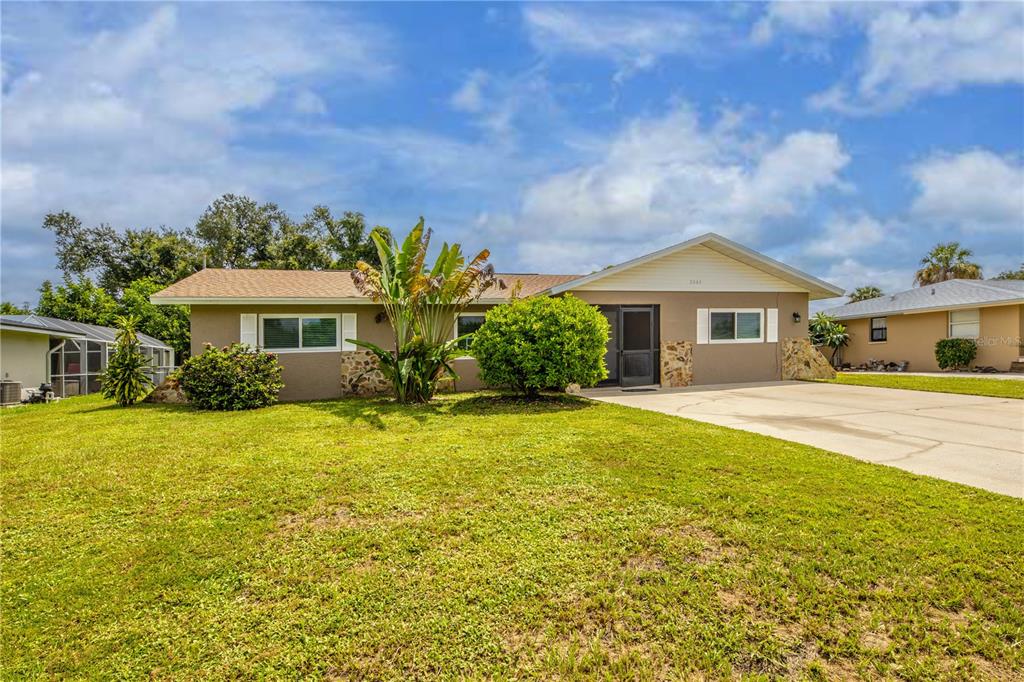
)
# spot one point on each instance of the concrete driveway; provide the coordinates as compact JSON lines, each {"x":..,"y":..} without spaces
{"x":967,"y":439}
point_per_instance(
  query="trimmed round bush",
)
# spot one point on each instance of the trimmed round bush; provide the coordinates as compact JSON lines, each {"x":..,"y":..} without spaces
{"x":542,"y":343}
{"x":955,"y":353}
{"x":236,"y":377}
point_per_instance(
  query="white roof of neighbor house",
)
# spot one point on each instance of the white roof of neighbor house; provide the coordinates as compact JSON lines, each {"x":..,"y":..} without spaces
{"x":716,"y":259}
{"x":68,"y":329}
{"x":952,"y":294}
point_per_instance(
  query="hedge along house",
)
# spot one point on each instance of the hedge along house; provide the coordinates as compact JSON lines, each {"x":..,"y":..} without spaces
{"x":69,"y":355}
{"x":705,"y":311}
{"x":906,"y":326}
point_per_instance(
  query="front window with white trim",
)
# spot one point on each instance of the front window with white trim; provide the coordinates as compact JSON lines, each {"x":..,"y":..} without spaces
{"x":965,"y":324}
{"x":300,"y":332}
{"x":467,"y":323}
{"x":740,"y":325}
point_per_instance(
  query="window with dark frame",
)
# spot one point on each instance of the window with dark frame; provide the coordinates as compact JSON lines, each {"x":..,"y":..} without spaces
{"x":879,"y":329}
{"x":467,"y":324}
{"x":734,"y":325}
{"x":300,"y":333}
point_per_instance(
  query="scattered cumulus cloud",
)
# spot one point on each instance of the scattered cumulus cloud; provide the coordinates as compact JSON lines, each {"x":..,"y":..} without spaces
{"x":976,"y":190}
{"x":917,"y":50}
{"x":634,"y":38}
{"x":843,"y":236}
{"x":664,"y":179}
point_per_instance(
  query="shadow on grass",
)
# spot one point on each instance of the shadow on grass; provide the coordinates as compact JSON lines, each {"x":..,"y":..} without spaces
{"x":374,"y":411}
{"x":510,"y":403}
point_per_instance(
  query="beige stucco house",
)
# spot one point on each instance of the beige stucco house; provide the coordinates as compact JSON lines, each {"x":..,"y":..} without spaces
{"x":905,"y":326}
{"x":705,"y":311}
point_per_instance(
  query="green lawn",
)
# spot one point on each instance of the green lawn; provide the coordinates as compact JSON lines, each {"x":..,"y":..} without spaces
{"x":483,"y":537}
{"x":997,"y":388}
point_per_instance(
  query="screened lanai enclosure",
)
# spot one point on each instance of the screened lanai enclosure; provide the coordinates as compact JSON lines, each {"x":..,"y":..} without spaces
{"x":78,"y":353}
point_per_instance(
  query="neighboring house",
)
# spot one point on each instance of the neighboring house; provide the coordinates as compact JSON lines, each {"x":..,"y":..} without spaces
{"x":69,"y":355}
{"x":705,"y":311}
{"x":906,"y":326}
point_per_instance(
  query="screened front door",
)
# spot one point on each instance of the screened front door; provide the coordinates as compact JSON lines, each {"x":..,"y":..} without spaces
{"x":632,"y":353}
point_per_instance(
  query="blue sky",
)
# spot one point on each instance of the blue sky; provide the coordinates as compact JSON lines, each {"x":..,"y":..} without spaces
{"x":844,"y":139}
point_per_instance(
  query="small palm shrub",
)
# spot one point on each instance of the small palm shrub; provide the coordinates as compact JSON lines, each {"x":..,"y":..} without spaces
{"x":825,"y":330}
{"x":955,"y":353}
{"x":542,"y":343}
{"x":236,"y":377}
{"x":125,"y":379}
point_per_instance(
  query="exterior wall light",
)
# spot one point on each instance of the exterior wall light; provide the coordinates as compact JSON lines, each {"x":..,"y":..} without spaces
{"x":796,"y":317}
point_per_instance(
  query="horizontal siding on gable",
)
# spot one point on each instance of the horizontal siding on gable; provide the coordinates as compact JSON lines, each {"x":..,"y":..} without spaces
{"x":695,"y":269}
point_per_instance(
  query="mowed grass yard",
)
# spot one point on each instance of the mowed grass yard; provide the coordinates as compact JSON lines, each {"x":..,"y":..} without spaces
{"x":484,"y":537}
{"x":996,"y":388}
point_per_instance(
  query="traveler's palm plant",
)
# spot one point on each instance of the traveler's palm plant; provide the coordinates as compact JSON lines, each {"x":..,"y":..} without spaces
{"x":125,"y":379}
{"x":421,"y":306}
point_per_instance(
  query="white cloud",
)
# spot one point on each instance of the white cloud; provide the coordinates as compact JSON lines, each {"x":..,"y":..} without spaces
{"x":136,"y":124}
{"x":500,"y":103}
{"x":851,"y":272}
{"x":668,"y":178}
{"x":847,"y":235}
{"x":469,"y":97}
{"x":976,"y":190}
{"x":634,"y":38}
{"x":915,"y":50}
{"x":308,"y":102}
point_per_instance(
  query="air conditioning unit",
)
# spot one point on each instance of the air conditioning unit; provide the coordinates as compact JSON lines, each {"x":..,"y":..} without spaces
{"x":10,"y":392}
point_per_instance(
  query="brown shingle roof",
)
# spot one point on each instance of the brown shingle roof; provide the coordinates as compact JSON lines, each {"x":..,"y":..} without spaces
{"x":216,"y":284}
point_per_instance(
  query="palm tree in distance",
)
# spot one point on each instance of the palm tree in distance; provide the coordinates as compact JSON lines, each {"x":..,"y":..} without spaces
{"x":946,"y":262}
{"x":865,"y":293}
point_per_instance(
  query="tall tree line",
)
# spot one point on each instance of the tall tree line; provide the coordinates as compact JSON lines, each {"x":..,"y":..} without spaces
{"x":108,"y":272}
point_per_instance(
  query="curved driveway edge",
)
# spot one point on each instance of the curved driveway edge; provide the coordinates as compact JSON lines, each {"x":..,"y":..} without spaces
{"x":974,"y":440}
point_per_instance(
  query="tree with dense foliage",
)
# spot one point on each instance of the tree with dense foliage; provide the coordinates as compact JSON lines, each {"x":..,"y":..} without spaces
{"x":234,"y":231}
{"x":825,"y":330}
{"x":169,"y":323}
{"x":116,"y":258}
{"x":125,"y":380}
{"x":236,"y":377}
{"x":8,"y":308}
{"x":237,"y":232}
{"x":81,"y":301}
{"x":1012,"y":274}
{"x":542,"y":343}
{"x":865,"y":293}
{"x":421,"y":304}
{"x":945,"y":262}
{"x":84,"y":301}
{"x":955,"y":353}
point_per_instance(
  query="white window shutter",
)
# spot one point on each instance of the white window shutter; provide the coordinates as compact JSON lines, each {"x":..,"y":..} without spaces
{"x":702,"y":325}
{"x":348,"y":331}
{"x":248,"y":332}
{"x":773,"y":326}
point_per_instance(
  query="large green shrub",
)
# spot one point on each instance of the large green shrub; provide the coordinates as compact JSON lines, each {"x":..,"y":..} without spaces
{"x":955,"y":353}
{"x":542,"y":343}
{"x":236,"y":377}
{"x":125,"y":379}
